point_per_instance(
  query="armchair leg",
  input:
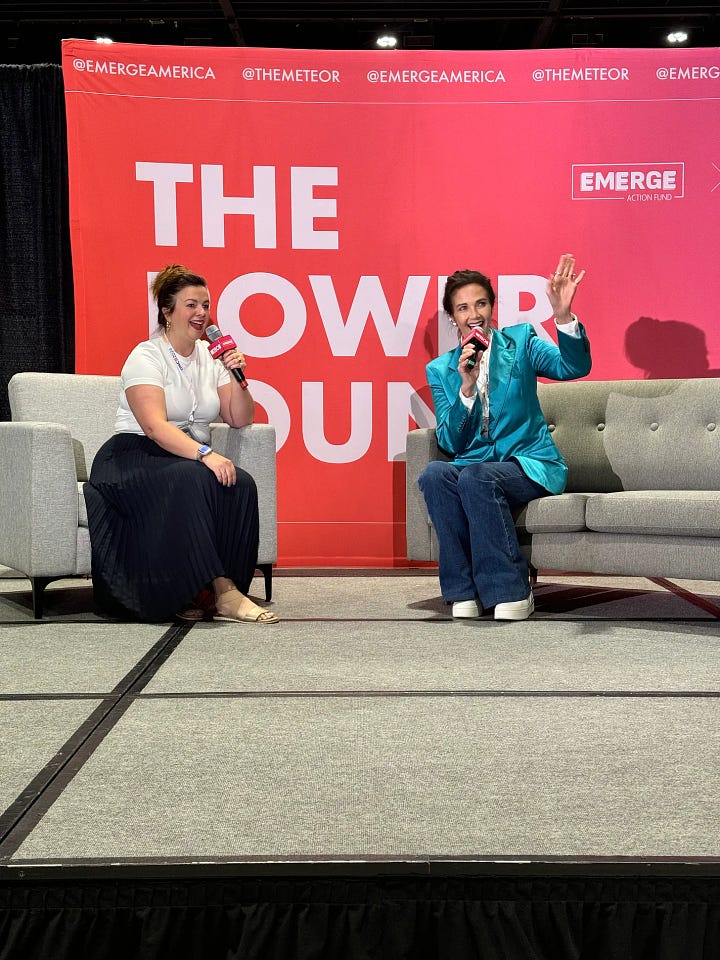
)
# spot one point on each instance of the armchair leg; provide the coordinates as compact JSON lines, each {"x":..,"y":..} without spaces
{"x":38,"y":589}
{"x":266,"y":570}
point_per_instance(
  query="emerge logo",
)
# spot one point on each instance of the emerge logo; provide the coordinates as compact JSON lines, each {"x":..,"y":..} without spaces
{"x":632,"y":182}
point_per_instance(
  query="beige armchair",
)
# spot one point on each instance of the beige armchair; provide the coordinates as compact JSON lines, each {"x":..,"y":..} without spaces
{"x":59,"y":422}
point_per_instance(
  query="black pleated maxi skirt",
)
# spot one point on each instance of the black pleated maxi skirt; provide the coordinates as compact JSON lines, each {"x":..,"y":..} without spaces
{"x":162,"y":528}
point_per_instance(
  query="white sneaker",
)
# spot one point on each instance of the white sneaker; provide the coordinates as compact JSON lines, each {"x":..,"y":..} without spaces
{"x":467,"y":609}
{"x":515,"y":610}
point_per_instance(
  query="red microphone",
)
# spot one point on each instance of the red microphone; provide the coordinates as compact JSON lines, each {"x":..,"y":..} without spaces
{"x":479,"y":343}
{"x":220,"y":344}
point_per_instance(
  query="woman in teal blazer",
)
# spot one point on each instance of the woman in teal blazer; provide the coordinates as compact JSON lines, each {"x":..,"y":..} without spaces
{"x":490,"y":422}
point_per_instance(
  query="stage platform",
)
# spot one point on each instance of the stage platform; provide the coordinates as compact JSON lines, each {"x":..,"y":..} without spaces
{"x":367,"y":741}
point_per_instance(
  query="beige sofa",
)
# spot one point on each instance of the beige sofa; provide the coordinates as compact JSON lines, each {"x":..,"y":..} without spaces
{"x":59,"y":421}
{"x":643,"y":492}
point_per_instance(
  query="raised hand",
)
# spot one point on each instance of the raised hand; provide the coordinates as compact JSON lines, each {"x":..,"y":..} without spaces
{"x":562,"y":286}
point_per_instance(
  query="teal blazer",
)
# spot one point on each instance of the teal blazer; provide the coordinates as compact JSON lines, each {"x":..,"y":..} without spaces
{"x":517,"y":427}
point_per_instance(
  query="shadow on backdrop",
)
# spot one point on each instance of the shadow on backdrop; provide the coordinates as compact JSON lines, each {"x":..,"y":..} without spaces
{"x":667,"y":349}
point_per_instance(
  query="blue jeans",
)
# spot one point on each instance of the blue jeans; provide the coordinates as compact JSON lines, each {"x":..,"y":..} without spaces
{"x":470,"y":509}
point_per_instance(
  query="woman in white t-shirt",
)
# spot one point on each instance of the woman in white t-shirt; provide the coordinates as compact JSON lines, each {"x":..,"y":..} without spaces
{"x":173,"y":524}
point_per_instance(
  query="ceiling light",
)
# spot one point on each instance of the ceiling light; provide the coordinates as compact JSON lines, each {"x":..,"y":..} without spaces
{"x":677,"y":36}
{"x":387,"y":41}
{"x":103,"y":40}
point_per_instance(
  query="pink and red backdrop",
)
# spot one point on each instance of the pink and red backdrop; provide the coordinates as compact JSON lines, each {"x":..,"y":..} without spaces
{"x":326,"y":195}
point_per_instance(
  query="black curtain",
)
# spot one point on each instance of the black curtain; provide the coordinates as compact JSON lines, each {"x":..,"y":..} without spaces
{"x":616,"y":918}
{"x":37,"y":325}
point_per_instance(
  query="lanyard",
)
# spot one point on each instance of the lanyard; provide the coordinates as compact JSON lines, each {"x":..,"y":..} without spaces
{"x":483,"y":388}
{"x":185,"y":378}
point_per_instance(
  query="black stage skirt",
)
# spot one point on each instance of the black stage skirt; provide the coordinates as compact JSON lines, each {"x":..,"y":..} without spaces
{"x":162,"y":527}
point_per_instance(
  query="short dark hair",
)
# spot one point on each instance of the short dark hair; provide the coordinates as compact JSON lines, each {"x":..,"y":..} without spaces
{"x":167,"y":285}
{"x":461,"y":278}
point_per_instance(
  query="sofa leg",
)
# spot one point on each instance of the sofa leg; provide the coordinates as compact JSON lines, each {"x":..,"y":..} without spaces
{"x":38,"y":589}
{"x":266,"y":570}
{"x":532,"y":571}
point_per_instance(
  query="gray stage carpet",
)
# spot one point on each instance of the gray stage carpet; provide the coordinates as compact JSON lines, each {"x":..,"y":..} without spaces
{"x":399,"y":595}
{"x":366,"y":726}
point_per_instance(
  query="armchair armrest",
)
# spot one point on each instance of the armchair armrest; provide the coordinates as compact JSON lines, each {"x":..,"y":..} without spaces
{"x":420,"y":448}
{"x":253,"y":449}
{"x":39,"y":502}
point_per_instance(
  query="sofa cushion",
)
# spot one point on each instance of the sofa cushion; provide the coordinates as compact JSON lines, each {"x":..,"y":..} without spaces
{"x":562,"y":514}
{"x":665,"y":442}
{"x":680,"y":513}
{"x":636,"y":434}
{"x":576,"y":415}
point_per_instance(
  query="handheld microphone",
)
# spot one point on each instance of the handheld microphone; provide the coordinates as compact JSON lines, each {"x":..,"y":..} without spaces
{"x":479,"y":343}
{"x":220,"y":344}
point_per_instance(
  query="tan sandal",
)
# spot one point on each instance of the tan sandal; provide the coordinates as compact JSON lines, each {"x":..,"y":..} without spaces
{"x":229,"y":606}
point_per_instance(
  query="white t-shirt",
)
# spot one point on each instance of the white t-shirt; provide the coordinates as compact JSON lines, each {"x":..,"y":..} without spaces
{"x":191,"y":396}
